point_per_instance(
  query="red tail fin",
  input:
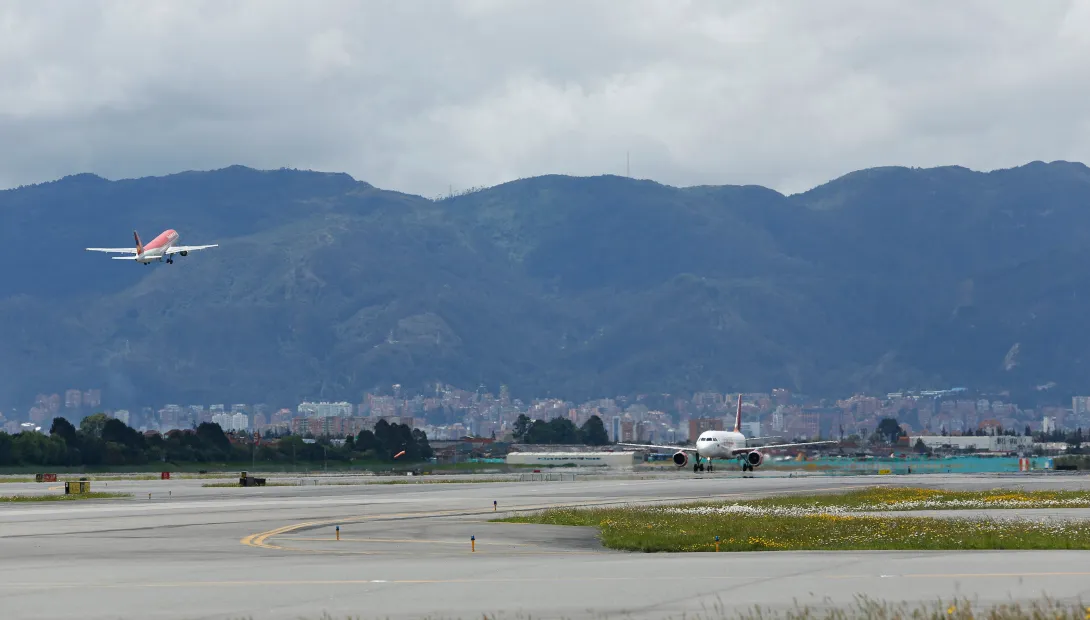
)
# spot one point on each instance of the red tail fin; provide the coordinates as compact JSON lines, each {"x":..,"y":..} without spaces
{"x":738,"y":415}
{"x":139,"y":246}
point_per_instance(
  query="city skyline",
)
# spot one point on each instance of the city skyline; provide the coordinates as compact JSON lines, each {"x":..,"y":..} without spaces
{"x":451,"y":413}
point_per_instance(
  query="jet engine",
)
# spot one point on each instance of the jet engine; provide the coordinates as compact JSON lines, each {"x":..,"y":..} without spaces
{"x":681,"y":458}
{"x":754,"y":459}
{"x":184,"y":253}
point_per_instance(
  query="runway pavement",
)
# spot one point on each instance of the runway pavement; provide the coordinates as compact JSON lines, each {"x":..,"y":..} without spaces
{"x":404,"y":552}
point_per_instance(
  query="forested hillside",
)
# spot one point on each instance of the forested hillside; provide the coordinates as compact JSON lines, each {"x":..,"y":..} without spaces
{"x":324,"y":286}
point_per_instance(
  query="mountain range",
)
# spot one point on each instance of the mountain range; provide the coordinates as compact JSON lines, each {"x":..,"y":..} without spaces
{"x":324,"y":287}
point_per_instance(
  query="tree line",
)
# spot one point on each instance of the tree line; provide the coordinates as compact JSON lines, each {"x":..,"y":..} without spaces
{"x":101,"y":440}
{"x":560,"y":431}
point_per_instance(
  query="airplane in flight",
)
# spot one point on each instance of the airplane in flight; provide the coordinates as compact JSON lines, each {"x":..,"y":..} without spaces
{"x":160,"y":248}
{"x":724,"y":445}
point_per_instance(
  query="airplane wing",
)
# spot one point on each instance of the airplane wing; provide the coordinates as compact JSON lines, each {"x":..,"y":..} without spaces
{"x":114,"y":250}
{"x":643,"y":445}
{"x":190,"y":248}
{"x":780,"y":445}
{"x":124,"y":257}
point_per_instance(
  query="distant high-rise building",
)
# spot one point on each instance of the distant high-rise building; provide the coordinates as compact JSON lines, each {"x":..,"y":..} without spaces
{"x":777,"y":420}
{"x":51,"y":403}
{"x":326,"y":410}
{"x":92,"y":398}
{"x":282,"y":417}
{"x":73,"y":399}
{"x":699,"y":425}
{"x":122,"y":415}
{"x":751,"y":429}
{"x":1080,"y":405}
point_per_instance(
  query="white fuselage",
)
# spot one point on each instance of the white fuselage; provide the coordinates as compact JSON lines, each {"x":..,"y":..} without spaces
{"x":719,"y":444}
{"x":158,"y":248}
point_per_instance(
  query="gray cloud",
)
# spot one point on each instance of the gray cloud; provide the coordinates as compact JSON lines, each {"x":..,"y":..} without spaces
{"x":418,"y":96}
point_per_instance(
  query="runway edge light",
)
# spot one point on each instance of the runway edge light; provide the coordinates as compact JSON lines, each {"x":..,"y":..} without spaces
{"x":473,"y":544}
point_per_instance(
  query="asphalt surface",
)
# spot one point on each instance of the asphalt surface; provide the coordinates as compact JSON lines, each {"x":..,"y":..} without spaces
{"x":404,"y":552}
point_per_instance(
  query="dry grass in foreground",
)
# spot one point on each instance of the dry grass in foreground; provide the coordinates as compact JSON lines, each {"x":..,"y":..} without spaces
{"x":60,"y":497}
{"x":862,"y":608}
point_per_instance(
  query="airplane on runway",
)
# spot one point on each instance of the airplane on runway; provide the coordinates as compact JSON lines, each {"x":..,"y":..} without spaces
{"x":160,"y":248}
{"x":724,"y":445}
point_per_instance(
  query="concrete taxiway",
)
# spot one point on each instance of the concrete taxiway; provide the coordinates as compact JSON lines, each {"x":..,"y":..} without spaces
{"x":404,"y":552}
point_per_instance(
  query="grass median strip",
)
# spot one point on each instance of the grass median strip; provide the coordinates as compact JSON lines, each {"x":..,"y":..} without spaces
{"x":60,"y":497}
{"x":881,"y":499}
{"x":830,"y":522}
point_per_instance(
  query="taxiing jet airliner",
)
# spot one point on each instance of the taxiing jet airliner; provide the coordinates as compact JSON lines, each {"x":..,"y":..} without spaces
{"x":161,"y":247}
{"x":724,"y":445}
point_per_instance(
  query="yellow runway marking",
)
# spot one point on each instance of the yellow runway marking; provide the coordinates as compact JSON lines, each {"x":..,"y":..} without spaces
{"x":261,"y":539}
{"x":400,"y":540}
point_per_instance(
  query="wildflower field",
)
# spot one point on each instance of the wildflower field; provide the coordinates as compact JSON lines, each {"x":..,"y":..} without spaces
{"x":881,"y":499}
{"x":830,"y":522}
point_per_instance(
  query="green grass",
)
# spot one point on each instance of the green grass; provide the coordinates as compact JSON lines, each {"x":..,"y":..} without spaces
{"x":880,"y":499}
{"x":60,"y":497}
{"x":694,"y":528}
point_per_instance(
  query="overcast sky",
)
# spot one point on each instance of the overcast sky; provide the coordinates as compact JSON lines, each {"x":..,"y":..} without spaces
{"x":418,"y":96}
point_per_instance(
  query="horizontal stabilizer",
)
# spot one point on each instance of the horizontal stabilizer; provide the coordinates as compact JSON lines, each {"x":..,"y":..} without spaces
{"x":114,"y":250}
